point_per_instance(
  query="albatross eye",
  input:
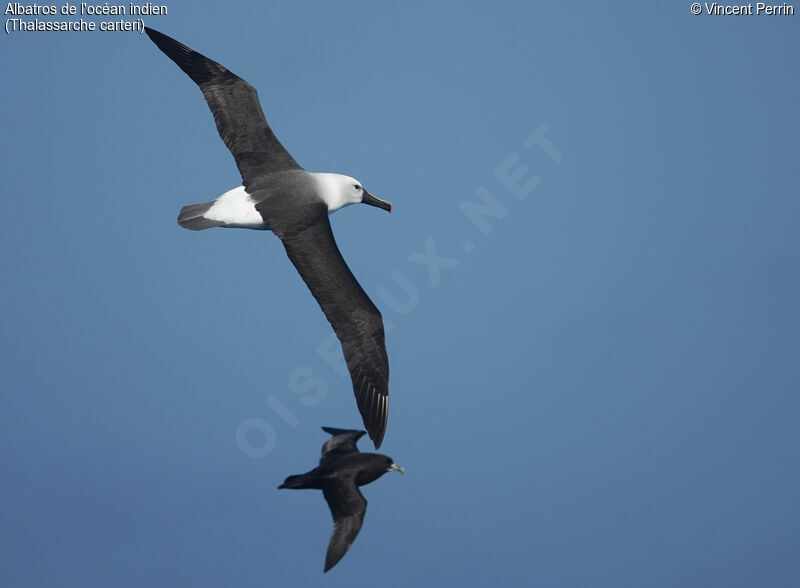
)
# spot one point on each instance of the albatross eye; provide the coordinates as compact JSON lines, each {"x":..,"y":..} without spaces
{"x":357,"y":187}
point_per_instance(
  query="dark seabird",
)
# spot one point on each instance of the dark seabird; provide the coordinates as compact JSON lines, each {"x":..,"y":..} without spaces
{"x":342,"y":469}
{"x":279,"y":195}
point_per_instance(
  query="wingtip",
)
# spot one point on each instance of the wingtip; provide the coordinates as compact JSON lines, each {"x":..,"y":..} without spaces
{"x":377,"y":437}
{"x":331,"y":561}
{"x":377,"y":426}
{"x":153,"y":33}
{"x":377,"y":432}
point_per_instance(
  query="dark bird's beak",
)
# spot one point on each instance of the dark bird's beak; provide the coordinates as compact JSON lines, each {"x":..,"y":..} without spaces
{"x":368,"y":198}
{"x":396,"y":467}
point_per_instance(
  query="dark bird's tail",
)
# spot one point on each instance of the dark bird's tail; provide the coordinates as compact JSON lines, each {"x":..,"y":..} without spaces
{"x":302,"y":481}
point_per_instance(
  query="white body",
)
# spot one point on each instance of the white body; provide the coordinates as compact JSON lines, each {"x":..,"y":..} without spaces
{"x":236,"y":209}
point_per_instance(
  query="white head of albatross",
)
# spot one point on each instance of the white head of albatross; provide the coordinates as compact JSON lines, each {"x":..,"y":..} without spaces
{"x":338,"y":191}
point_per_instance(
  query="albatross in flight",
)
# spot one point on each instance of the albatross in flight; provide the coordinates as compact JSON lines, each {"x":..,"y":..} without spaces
{"x":279,"y":195}
{"x":342,"y":469}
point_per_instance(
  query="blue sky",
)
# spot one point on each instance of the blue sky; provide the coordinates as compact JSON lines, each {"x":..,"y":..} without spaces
{"x":595,"y":385}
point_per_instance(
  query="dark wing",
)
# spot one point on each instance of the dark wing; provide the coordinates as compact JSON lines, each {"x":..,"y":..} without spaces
{"x":355,"y":319}
{"x":347,"y":508}
{"x":237,"y":112}
{"x":343,"y":442}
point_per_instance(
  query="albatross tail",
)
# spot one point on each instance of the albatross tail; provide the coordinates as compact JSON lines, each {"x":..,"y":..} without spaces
{"x":234,"y":209}
{"x":192,"y":217}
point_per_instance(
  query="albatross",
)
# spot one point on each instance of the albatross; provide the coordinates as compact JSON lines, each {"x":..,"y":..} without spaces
{"x":342,"y":469}
{"x":278,"y":195}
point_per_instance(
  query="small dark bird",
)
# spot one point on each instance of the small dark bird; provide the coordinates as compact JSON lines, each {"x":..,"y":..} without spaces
{"x":278,"y":195}
{"x":342,"y":469}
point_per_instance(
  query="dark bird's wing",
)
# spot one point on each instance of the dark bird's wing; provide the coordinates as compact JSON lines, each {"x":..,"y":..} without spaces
{"x":355,"y":319}
{"x":347,"y":508}
{"x":343,"y":442}
{"x":237,"y":112}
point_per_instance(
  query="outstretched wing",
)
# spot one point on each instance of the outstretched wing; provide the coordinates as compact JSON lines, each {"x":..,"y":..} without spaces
{"x":348,"y":507}
{"x":237,"y":112}
{"x":343,"y":442}
{"x":355,"y":319}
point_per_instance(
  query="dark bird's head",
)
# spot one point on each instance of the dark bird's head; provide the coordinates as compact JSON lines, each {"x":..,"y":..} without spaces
{"x":372,"y":466}
{"x":339,"y":191}
{"x":391,"y":466}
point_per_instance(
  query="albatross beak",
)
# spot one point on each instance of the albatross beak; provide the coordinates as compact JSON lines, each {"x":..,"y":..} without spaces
{"x":397,"y":468}
{"x":368,"y":198}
